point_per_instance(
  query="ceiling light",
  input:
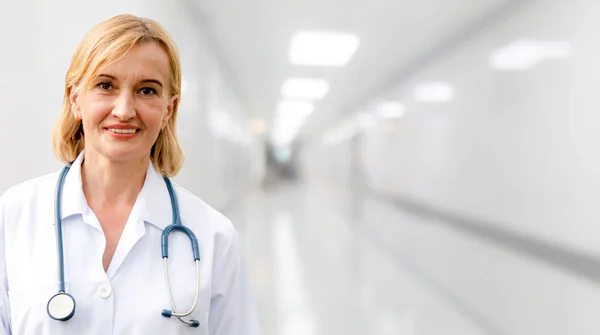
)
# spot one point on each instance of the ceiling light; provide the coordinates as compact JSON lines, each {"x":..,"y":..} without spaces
{"x":525,"y":54}
{"x":322,"y":48}
{"x":289,"y":124}
{"x":434,"y":92}
{"x":290,"y":108}
{"x":184,"y":85}
{"x":304,"y":88}
{"x":282,"y":137}
{"x":291,"y":116}
{"x":390,"y":110}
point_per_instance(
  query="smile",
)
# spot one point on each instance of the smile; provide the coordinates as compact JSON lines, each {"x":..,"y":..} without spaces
{"x":122,"y":131}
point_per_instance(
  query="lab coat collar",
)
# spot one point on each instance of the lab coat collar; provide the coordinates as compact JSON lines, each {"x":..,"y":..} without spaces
{"x":73,"y":200}
{"x":153,"y":202}
{"x":154,"y":199}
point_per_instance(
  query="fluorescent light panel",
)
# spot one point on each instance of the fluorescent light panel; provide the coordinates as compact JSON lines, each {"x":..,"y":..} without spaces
{"x":390,"y":109}
{"x":305,"y":88}
{"x":291,"y":116}
{"x":438,"y":91}
{"x":184,"y":85}
{"x":525,"y":54}
{"x":288,"y":124}
{"x":290,"y":108}
{"x":322,"y":48}
{"x":282,"y":137}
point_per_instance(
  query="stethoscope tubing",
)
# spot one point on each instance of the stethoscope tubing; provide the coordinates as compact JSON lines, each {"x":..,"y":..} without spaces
{"x":58,"y":226}
{"x":176,"y":225}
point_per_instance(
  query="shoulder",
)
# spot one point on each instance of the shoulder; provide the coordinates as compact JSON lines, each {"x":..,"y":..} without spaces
{"x":26,"y":201}
{"x":202,"y":216}
{"x":29,"y":190}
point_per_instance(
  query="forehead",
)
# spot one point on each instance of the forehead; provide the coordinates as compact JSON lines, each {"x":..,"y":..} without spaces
{"x":148,"y":59}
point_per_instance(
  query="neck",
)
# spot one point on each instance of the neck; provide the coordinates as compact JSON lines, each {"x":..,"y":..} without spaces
{"x":107,"y":182}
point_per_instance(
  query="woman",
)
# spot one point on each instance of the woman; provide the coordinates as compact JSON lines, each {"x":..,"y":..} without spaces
{"x":117,"y":135}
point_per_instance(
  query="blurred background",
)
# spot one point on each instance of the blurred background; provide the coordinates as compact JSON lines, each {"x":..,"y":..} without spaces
{"x":402,"y":167}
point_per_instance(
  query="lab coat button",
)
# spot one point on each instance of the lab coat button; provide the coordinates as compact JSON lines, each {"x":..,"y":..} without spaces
{"x":105,"y":291}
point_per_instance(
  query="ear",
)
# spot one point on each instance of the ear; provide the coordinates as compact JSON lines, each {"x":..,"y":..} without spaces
{"x":170,"y":108}
{"x":73,"y":99}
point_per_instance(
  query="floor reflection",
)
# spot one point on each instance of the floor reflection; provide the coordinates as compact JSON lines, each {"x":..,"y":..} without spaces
{"x":317,"y":269}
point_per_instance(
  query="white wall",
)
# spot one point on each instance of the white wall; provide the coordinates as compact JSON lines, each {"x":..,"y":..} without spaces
{"x":519,"y":149}
{"x":38,"y":38}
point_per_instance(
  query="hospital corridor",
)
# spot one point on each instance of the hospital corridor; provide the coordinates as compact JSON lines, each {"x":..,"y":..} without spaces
{"x":390,"y":167}
{"x":334,"y":273}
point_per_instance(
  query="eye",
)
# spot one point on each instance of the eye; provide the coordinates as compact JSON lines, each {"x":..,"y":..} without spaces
{"x":104,"y":86}
{"x":148,"y":91}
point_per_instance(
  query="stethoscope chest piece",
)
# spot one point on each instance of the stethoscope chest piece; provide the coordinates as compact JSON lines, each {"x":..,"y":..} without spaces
{"x":61,"y":306}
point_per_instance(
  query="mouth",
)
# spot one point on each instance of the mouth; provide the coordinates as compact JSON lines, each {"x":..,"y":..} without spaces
{"x":123,"y":131}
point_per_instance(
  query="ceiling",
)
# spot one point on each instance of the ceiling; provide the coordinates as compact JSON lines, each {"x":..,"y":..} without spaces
{"x":253,"y":37}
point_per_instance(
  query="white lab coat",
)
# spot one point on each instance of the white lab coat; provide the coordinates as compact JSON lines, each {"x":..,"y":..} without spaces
{"x":129,"y":297}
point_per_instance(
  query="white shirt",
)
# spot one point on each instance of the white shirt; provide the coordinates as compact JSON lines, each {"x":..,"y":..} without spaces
{"x":128,"y":298}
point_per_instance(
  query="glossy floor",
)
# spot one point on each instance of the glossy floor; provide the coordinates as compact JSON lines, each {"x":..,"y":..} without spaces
{"x":318,"y":268}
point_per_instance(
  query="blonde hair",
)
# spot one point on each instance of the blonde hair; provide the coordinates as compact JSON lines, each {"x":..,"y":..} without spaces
{"x":106,"y":43}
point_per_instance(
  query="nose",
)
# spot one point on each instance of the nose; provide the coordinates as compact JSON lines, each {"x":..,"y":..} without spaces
{"x":124,"y":108}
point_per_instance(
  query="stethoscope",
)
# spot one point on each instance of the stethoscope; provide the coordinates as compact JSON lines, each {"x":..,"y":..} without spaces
{"x":61,"y":306}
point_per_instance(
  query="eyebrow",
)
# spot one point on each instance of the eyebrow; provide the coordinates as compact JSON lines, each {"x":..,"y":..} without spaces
{"x":107,"y":76}
{"x":155,"y":81}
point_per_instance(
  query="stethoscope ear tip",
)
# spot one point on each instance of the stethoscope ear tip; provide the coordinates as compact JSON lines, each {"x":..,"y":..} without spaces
{"x":166,"y":313}
{"x":194,"y":324}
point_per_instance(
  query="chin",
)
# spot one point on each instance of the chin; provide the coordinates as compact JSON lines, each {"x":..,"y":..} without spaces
{"x":125,"y":154}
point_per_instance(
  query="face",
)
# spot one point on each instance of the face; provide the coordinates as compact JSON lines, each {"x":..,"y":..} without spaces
{"x":127,"y":105}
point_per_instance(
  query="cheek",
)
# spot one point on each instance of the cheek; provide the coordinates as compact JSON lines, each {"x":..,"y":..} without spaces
{"x":152,"y":114}
{"x":149,"y":111}
{"x":94,"y":113}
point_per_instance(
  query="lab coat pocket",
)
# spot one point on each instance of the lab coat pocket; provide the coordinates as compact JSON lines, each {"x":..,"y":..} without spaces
{"x":28,"y":309}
